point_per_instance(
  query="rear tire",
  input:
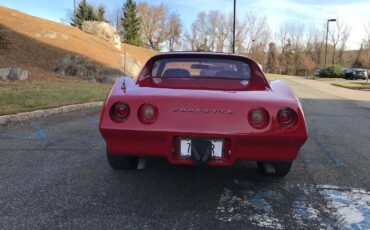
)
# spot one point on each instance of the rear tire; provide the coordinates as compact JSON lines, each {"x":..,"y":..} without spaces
{"x":120,"y":162}
{"x":281,"y":168}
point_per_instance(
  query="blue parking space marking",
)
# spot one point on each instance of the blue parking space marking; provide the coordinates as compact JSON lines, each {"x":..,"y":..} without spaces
{"x":300,"y":209}
{"x":40,"y":132}
{"x":308,"y":206}
{"x":259,"y":200}
{"x":365,"y":224}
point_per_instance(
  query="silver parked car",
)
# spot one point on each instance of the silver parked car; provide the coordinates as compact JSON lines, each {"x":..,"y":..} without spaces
{"x":356,"y":73}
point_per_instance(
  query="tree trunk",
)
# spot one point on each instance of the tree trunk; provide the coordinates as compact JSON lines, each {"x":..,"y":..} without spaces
{"x":334,"y":55}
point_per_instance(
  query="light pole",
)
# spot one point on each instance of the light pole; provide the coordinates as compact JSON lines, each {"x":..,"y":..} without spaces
{"x":327,"y":33}
{"x":234,"y":22}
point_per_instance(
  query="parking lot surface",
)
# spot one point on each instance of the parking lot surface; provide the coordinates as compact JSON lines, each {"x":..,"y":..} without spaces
{"x":54,"y":174}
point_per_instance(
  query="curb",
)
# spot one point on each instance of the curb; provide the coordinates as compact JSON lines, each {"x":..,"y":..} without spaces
{"x":21,"y":117}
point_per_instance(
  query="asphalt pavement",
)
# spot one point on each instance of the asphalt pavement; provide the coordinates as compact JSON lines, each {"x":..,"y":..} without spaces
{"x":54,"y":175}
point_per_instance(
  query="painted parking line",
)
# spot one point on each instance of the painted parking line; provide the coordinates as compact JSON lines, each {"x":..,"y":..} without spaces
{"x":351,"y":207}
{"x":40,"y":132}
{"x":300,"y":206}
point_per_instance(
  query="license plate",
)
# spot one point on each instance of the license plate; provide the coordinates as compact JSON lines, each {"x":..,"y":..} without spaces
{"x":217,"y":147}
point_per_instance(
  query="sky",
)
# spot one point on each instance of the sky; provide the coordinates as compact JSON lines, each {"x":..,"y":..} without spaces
{"x":314,"y":13}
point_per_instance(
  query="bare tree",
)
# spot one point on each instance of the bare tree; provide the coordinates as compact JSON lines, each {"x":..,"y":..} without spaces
{"x":115,"y":18}
{"x":202,"y":28}
{"x":190,"y":39}
{"x":153,"y":24}
{"x":208,"y":32}
{"x":305,"y":64}
{"x":366,"y":46}
{"x":282,"y":37}
{"x":213,"y":31}
{"x":272,"y":65}
{"x":314,"y":44}
{"x":174,"y":31}
{"x":359,"y":62}
{"x":258,"y":30}
{"x":339,"y":36}
{"x":290,"y":36}
{"x":221,"y":30}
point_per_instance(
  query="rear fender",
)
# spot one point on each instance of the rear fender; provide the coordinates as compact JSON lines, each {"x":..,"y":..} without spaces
{"x":281,"y":87}
{"x":119,"y":88}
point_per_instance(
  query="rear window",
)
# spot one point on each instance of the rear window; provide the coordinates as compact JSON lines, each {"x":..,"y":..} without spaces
{"x":201,"y":68}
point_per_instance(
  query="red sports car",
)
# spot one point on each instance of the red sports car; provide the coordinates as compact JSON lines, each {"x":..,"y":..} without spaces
{"x":203,"y":108}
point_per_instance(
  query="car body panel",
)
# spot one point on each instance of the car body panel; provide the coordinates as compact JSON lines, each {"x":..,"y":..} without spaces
{"x":204,"y":112}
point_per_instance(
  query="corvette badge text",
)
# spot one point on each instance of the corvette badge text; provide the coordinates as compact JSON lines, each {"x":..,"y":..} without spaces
{"x":191,"y":110}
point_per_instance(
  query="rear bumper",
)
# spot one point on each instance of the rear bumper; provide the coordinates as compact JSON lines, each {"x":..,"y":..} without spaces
{"x":269,"y":147}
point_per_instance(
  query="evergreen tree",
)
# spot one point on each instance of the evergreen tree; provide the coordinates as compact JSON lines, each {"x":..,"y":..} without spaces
{"x":90,"y":14}
{"x":100,"y":14}
{"x":81,"y":14}
{"x":86,"y":12}
{"x":131,"y":23}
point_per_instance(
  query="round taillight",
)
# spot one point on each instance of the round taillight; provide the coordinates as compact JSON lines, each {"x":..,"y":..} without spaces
{"x":287,"y":117}
{"x":148,"y":113}
{"x":258,"y":118}
{"x":120,"y":111}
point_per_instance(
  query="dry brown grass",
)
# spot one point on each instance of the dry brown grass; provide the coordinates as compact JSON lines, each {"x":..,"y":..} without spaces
{"x":37,"y":44}
{"x":139,"y":53}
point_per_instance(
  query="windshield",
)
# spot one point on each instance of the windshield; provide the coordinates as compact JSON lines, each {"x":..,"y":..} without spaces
{"x":201,"y":68}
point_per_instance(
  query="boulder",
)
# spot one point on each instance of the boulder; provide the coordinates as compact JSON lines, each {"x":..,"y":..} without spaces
{"x":130,"y":65}
{"x":14,"y":74}
{"x":75,"y":65}
{"x":102,"y":30}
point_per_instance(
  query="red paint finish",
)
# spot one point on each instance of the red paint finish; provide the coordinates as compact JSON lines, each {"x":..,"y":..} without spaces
{"x":204,"y":108}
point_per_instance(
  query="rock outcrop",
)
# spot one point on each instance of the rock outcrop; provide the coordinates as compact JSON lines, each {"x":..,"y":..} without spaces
{"x":130,"y":65}
{"x":75,"y":65}
{"x":102,"y":30}
{"x":51,"y":34}
{"x":14,"y":74}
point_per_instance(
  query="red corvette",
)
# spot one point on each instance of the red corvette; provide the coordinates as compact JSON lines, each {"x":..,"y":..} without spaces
{"x":203,"y":108}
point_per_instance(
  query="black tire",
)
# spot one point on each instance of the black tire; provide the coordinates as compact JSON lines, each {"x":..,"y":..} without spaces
{"x":120,"y":162}
{"x":261,"y":168}
{"x":281,"y":168}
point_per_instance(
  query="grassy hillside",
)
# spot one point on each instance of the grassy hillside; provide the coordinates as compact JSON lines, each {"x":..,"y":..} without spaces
{"x":36,"y":45}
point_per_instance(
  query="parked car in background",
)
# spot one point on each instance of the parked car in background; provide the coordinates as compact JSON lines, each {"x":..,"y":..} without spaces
{"x":356,"y":73}
{"x":317,"y":72}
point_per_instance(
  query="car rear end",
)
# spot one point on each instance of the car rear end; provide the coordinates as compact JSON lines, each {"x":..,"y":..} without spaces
{"x":236,"y":128}
{"x":360,"y":74}
{"x":215,"y":110}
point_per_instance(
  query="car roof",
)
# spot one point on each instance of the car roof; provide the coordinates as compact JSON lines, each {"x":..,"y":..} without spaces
{"x":201,"y":53}
{"x":358,"y":69}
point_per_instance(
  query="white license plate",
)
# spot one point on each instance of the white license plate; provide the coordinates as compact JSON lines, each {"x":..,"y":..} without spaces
{"x":217,"y":145}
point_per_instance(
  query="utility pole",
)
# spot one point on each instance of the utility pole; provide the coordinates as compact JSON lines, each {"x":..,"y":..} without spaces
{"x":327,"y":33}
{"x":234,"y":23}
